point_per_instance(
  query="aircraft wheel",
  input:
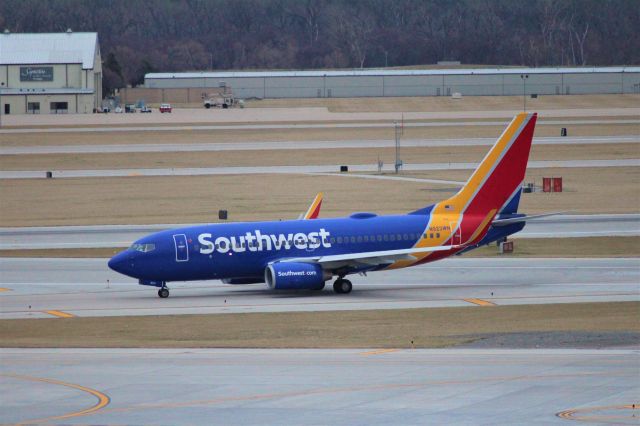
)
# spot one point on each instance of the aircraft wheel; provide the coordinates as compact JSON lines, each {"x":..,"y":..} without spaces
{"x":163,"y":293}
{"x":342,"y":286}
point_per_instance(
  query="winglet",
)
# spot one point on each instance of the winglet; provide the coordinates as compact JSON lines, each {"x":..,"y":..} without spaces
{"x":314,"y":208}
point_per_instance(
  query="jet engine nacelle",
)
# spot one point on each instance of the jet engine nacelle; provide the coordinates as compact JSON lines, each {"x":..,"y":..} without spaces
{"x":295,"y":276}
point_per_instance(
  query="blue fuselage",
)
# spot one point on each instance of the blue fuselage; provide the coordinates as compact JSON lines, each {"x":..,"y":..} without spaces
{"x":243,"y":250}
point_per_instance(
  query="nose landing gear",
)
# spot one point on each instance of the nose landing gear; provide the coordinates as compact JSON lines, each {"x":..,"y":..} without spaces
{"x":342,"y":286}
{"x":163,"y":293}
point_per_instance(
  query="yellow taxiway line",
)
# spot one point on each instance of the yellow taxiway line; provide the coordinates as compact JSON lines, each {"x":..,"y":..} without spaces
{"x":379,"y":352}
{"x":103,"y":400}
{"x":60,"y":314}
{"x":480,"y":302}
{"x":4,"y":289}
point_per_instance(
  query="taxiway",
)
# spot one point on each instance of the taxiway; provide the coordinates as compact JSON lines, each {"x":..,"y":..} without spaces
{"x":337,"y":387}
{"x":86,"y":287}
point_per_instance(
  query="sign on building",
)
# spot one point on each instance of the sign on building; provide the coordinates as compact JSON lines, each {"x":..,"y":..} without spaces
{"x":36,"y":73}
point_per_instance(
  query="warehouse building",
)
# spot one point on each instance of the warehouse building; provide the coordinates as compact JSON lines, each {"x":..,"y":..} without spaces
{"x":50,"y":73}
{"x":383,"y":82}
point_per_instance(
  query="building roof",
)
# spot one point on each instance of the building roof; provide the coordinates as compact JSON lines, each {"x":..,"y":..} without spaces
{"x":378,"y":72}
{"x":48,"y":48}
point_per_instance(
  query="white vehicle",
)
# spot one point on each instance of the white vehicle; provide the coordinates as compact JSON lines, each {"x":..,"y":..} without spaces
{"x":220,"y":102}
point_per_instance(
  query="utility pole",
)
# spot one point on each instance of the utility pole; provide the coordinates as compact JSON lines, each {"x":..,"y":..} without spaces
{"x":524,"y":78}
{"x":398,"y":164}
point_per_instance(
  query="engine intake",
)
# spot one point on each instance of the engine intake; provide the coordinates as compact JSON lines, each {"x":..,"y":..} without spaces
{"x":295,"y":276}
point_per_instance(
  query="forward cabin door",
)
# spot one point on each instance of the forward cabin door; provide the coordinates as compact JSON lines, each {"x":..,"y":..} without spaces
{"x":182,"y":249}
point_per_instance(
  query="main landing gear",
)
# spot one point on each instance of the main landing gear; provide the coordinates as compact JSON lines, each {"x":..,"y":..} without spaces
{"x":163,"y":293}
{"x":342,"y":286}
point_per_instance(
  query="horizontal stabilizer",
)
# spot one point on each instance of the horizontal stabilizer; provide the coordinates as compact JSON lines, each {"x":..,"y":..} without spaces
{"x":520,"y":219}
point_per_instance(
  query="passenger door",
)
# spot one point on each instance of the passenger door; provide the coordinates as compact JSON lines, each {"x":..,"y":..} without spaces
{"x":182,"y":249}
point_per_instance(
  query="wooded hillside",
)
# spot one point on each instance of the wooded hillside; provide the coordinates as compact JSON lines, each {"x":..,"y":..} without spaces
{"x":139,"y":36}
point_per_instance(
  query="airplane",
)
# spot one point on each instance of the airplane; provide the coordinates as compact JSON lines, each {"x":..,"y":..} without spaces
{"x":304,"y":254}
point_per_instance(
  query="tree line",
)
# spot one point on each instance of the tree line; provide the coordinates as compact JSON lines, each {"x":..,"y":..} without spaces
{"x":140,"y":36}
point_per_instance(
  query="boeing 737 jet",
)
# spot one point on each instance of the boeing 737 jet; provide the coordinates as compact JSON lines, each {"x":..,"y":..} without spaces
{"x":305,"y":254}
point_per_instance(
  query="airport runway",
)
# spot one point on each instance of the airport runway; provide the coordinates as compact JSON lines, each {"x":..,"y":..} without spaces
{"x":383,"y":121}
{"x":99,"y":236}
{"x":296,"y":145}
{"x":328,"y":387}
{"x":310,"y":169}
{"x":33,"y":288}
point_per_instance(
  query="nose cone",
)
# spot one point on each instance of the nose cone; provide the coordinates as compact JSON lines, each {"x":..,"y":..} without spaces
{"x":121,"y":263}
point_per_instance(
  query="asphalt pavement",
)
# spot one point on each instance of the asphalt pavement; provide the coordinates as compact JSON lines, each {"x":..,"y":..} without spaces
{"x":318,"y":387}
{"x":33,"y":287}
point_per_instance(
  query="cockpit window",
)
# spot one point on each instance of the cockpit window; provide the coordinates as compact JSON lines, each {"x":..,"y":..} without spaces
{"x":143,"y":248}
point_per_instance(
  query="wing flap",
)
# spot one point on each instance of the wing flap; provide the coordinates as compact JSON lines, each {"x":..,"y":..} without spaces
{"x":372,"y":258}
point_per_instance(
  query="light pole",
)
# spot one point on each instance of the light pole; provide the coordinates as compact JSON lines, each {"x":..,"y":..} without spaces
{"x":524,"y":78}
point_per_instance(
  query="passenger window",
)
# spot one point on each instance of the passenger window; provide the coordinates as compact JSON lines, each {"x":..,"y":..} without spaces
{"x":385,"y":237}
{"x":359,"y":238}
{"x":431,"y":235}
{"x":392,"y":237}
{"x":379,"y":238}
{"x":353,"y":240}
{"x":366,"y":238}
{"x":339,"y":240}
{"x":333,"y":240}
{"x":438,"y":235}
{"x":405,"y":237}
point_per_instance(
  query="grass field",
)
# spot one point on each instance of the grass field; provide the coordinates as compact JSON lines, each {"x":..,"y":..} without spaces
{"x":195,"y":199}
{"x":524,"y":247}
{"x":220,"y":136}
{"x":426,"y":328}
{"x":362,"y":155}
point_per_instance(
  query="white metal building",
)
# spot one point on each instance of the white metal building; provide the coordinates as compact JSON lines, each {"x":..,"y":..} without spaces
{"x":57,"y":73}
{"x":383,"y":82}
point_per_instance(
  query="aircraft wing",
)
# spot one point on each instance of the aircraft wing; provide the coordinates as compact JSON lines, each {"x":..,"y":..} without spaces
{"x":314,"y":208}
{"x":371,"y":258}
{"x":519,"y":219}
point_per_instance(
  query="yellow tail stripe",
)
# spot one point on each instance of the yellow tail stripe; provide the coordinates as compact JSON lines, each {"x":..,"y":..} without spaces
{"x":460,"y":200}
{"x":314,"y":205}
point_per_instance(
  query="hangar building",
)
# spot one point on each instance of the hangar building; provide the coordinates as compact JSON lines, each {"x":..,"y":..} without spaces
{"x":385,"y":82}
{"x":50,"y":73}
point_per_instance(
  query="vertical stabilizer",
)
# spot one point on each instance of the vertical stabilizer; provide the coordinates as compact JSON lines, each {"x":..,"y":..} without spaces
{"x":499,"y":177}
